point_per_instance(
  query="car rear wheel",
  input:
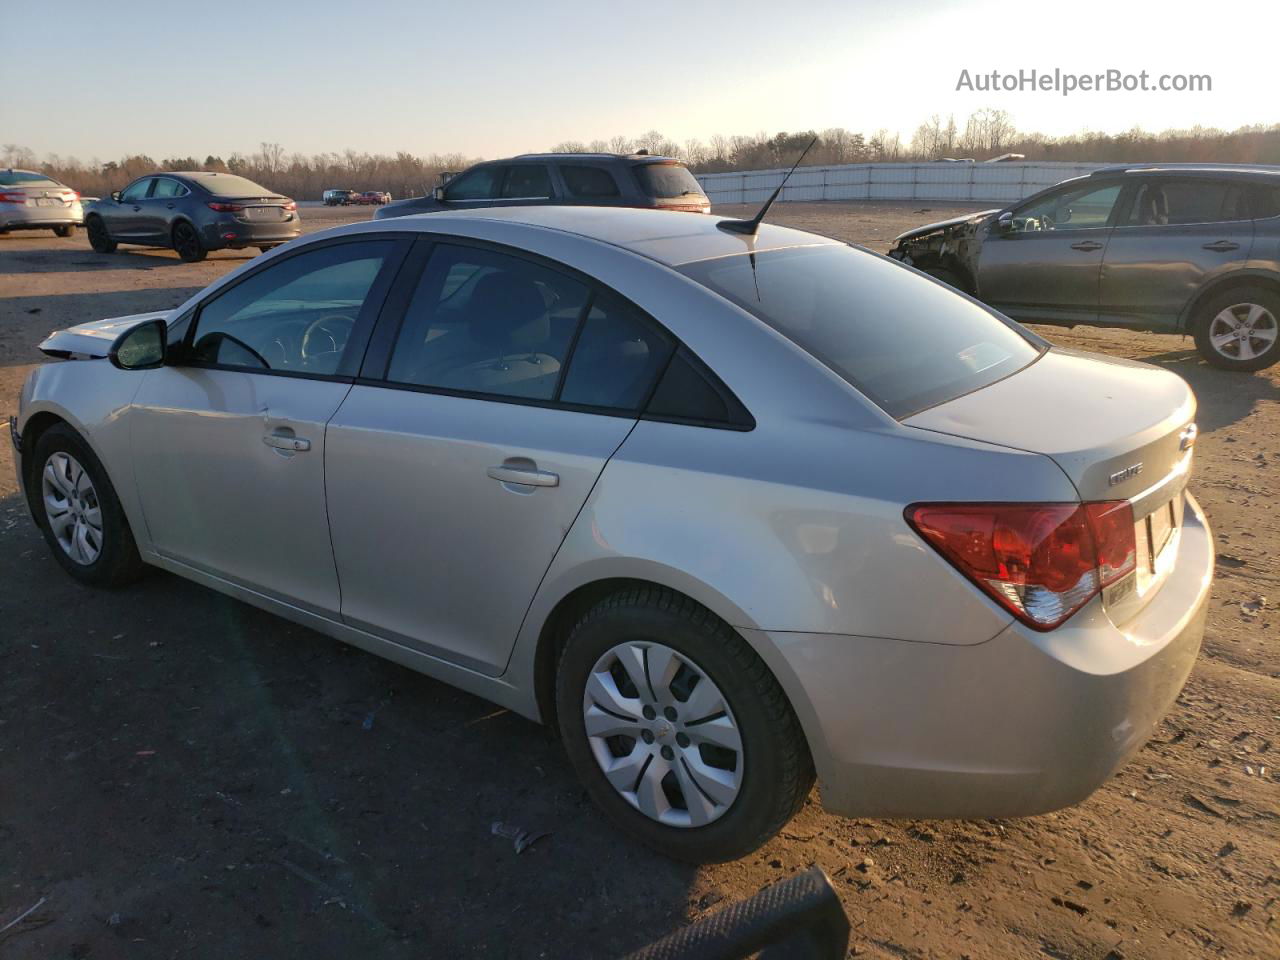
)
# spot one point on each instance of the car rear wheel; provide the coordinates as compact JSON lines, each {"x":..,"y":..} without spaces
{"x":187,"y":243}
{"x":1240,"y":329}
{"x":99,"y":237}
{"x":78,"y":512}
{"x":67,"y":231}
{"x":677,"y":728}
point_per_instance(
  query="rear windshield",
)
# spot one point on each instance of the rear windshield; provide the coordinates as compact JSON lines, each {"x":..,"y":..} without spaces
{"x":667,"y":181}
{"x":22,"y":178}
{"x":904,"y":341}
{"x":229,"y":185}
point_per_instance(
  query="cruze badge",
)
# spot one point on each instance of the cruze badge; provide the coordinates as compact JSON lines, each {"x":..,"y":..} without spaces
{"x":1187,"y":438}
{"x":1128,"y":473}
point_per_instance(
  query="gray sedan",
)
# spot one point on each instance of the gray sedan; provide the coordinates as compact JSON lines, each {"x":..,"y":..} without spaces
{"x":192,"y":213}
{"x":728,"y":510}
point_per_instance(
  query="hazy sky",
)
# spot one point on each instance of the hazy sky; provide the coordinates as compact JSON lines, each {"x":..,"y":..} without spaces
{"x":504,"y":76}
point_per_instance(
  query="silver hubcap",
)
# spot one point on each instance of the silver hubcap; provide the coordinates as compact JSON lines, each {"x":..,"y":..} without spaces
{"x":1244,"y":331}
{"x":663,"y":734}
{"x":71,"y":505}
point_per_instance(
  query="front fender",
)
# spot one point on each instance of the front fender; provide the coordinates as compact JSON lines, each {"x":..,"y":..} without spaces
{"x":94,"y":398}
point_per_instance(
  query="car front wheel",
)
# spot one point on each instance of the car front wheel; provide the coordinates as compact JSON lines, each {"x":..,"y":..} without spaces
{"x":677,"y":728}
{"x":1240,"y":329}
{"x":99,"y":236}
{"x":78,"y":512}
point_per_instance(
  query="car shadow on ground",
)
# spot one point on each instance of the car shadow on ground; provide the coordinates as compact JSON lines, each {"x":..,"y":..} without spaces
{"x":27,"y":260}
{"x":1225,"y":397}
{"x":204,"y":772}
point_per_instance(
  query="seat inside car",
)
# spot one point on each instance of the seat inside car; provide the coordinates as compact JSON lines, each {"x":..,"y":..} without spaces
{"x":1153,"y":207}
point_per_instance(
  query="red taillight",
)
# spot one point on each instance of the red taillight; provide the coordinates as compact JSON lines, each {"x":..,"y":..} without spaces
{"x":1041,"y":562}
{"x":225,"y":207}
{"x":70,"y":196}
{"x":291,"y":205}
{"x":13,"y":198}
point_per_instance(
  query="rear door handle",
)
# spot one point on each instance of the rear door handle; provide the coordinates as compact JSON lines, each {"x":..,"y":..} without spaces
{"x":1222,"y":246}
{"x":530,"y":478}
{"x":1086,"y":245}
{"x":292,"y":444}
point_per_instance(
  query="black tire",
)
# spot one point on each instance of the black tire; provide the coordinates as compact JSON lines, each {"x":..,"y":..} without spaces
{"x":187,"y":243}
{"x":1242,"y":299}
{"x":267,"y":247}
{"x":99,"y":236}
{"x":777,"y":768}
{"x":118,"y":561}
{"x":68,"y":231}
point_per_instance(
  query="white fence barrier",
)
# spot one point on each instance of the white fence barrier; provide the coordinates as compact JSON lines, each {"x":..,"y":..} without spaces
{"x":982,"y":182}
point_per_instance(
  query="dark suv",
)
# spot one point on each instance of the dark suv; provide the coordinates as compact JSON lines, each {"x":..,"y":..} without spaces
{"x":1174,"y":248}
{"x":577,"y":179}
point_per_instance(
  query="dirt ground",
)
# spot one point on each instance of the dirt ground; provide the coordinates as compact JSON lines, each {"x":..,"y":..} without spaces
{"x":183,"y":775}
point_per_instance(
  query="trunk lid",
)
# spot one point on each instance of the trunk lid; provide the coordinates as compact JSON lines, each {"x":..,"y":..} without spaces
{"x":88,"y":341}
{"x":1115,"y":427}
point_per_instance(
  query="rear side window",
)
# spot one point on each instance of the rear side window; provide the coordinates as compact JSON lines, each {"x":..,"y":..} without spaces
{"x":167,"y":188}
{"x":486,"y":323}
{"x":905,"y":342}
{"x":1266,"y":202}
{"x":691,"y":393}
{"x":617,"y":358}
{"x":479,"y":184}
{"x":1168,"y":202}
{"x":527,"y":182}
{"x":589,"y":182}
{"x":667,"y":181}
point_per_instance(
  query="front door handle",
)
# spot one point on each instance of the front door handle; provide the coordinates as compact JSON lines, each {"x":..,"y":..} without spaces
{"x":290,"y":443}
{"x":1086,"y":245}
{"x":530,"y":477}
{"x":1222,"y":246}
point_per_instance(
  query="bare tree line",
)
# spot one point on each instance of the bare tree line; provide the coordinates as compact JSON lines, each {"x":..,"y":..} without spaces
{"x":985,"y":133}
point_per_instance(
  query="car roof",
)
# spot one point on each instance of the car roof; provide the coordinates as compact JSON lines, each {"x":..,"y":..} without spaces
{"x":669,"y":237}
{"x":598,"y":157}
{"x":1249,"y":170}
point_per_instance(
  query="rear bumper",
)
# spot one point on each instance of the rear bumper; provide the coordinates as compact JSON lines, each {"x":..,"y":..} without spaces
{"x":1025,"y":723}
{"x":238,"y":233}
{"x":15,"y":216}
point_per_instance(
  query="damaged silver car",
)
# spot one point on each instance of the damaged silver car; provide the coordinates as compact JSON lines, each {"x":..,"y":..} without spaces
{"x":1174,"y":248}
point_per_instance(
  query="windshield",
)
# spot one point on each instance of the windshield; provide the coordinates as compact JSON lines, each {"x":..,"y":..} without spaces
{"x":24,"y":178}
{"x":668,"y":181}
{"x":229,"y":185}
{"x":903,"y":340}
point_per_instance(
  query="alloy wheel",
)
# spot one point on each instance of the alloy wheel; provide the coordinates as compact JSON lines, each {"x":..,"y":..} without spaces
{"x":72,"y":508}
{"x":1243,"y":331}
{"x":663,"y":734}
{"x":185,"y":242}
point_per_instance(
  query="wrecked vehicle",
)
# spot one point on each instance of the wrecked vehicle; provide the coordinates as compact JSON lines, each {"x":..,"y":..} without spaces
{"x":1176,"y":248}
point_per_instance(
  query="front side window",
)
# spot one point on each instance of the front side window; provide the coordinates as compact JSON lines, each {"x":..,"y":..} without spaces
{"x":527,"y":182}
{"x":297,"y":315}
{"x":589,"y":182}
{"x":905,"y":342}
{"x":487,"y":323}
{"x":479,"y":184}
{"x":137,"y":190}
{"x":1080,"y":208}
{"x":1166,"y":202}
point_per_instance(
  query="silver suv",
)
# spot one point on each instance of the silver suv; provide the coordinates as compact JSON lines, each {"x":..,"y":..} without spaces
{"x":1174,"y":248}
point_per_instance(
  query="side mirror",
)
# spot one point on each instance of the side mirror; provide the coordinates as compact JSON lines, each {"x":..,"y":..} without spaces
{"x":141,"y":347}
{"x":1004,"y":222}
{"x":115,"y":195}
{"x":438,"y":193}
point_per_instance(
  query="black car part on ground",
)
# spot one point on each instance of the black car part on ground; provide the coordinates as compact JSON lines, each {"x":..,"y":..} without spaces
{"x":799,"y":919}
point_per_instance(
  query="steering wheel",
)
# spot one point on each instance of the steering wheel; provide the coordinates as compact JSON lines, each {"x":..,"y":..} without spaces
{"x":1046,"y":222}
{"x":326,"y":334}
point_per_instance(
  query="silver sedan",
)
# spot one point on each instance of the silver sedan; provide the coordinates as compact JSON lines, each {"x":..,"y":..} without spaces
{"x":731,"y":511}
